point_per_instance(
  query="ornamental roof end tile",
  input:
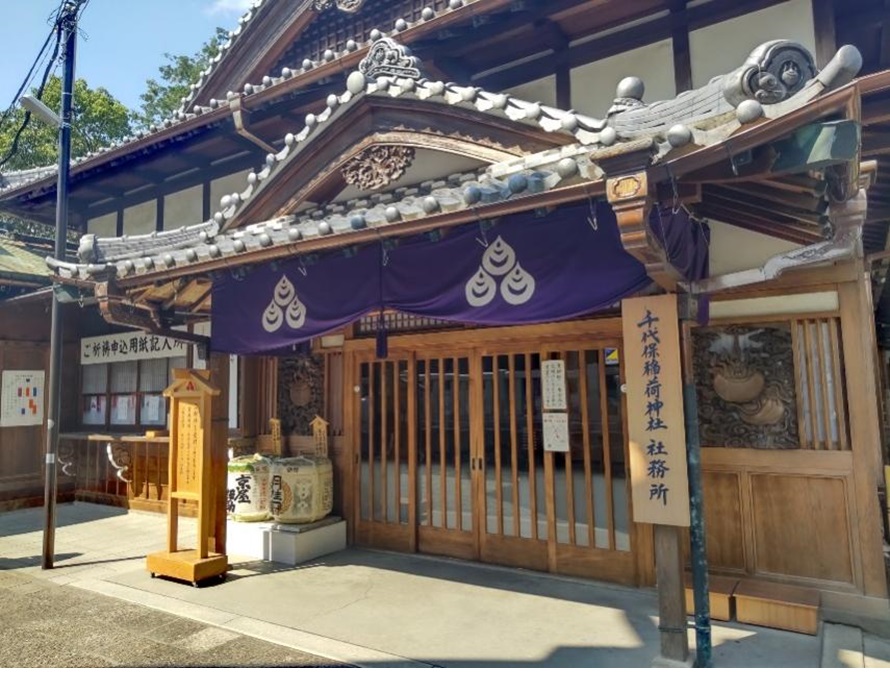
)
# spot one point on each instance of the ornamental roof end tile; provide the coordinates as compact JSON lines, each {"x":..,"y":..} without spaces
{"x":777,"y":77}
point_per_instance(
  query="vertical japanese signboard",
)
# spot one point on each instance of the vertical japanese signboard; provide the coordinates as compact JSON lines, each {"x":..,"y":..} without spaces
{"x":656,"y":432}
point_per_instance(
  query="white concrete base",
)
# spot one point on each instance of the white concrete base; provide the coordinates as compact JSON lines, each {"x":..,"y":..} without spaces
{"x":664,"y":662}
{"x":290,"y":544}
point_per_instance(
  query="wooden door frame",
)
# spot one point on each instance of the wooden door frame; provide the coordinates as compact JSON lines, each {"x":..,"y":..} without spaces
{"x":493,"y":341}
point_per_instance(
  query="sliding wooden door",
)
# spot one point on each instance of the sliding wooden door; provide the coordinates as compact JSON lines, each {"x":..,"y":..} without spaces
{"x":450,"y":457}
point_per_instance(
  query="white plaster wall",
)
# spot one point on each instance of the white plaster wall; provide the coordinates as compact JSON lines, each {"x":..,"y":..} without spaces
{"x":184,"y":207}
{"x":723,"y":47}
{"x":540,"y":90}
{"x":141,"y":218}
{"x":593,"y":85}
{"x":237,"y":182}
{"x":105,"y":226}
{"x":737,"y":249}
{"x":810,"y":302}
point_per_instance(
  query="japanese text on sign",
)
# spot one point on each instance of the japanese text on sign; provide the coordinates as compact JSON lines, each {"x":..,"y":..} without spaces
{"x":655,"y":410}
{"x":555,"y":430}
{"x":553,"y":384}
{"x":190,"y":435}
{"x":129,"y":346}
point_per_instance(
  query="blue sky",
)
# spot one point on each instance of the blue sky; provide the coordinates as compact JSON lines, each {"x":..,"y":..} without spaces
{"x":122,"y":42}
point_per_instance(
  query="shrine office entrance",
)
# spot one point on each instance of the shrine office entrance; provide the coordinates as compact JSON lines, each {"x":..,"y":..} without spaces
{"x":449,"y":451}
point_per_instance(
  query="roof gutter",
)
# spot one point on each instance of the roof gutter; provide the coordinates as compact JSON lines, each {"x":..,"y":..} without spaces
{"x":239,"y":116}
{"x":848,"y":219}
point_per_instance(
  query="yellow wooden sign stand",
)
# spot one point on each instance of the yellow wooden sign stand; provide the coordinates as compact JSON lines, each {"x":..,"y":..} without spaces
{"x":190,"y":479}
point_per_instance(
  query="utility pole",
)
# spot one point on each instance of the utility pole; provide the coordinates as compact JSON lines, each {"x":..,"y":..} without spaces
{"x":68,"y":24}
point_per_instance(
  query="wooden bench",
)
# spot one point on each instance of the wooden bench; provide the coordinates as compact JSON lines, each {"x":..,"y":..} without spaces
{"x":720,"y":591}
{"x":779,"y":606}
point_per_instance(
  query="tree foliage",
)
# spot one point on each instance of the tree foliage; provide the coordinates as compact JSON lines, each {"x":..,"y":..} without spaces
{"x":98,"y":119}
{"x":163,"y":96}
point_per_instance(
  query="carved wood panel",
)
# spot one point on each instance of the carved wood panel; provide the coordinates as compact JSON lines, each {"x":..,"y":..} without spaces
{"x":745,"y":382}
{"x":300,"y":392}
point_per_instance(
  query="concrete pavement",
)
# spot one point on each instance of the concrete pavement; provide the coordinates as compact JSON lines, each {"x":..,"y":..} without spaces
{"x":371,"y":608}
{"x":49,"y":625}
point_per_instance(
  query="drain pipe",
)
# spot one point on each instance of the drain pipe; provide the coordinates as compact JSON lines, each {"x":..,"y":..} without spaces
{"x":239,"y":116}
{"x":847,"y":218}
{"x":697,"y":540}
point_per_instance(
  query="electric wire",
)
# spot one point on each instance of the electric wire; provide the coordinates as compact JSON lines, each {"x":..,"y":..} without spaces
{"x":13,"y":149}
{"x":41,"y":56}
{"x":53,"y":62}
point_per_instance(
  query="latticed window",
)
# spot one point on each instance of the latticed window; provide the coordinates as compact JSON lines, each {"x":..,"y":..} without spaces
{"x":126,"y":394}
{"x":772,"y":385}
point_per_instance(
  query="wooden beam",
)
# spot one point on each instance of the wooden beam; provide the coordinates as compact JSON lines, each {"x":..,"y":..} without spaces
{"x":750,"y":202}
{"x":468,"y":38}
{"x":219,"y":446}
{"x":810,"y":147}
{"x":732,"y":214}
{"x":586,"y":52}
{"x":885,"y":37}
{"x":680,"y":41}
{"x":159,"y":214}
{"x":205,"y":200}
{"x":564,"y":87}
{"x":875,"y":111}
{"x":860,"y":367}
{"x":629,"y":196}
{"x":826,"y":40}
{"x":242,"y":162}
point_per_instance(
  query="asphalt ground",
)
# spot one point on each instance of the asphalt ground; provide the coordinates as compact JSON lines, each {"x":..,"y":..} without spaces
{"x":47,"y":625}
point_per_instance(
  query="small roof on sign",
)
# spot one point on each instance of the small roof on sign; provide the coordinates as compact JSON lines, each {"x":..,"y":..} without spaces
{"x":190,"y":383}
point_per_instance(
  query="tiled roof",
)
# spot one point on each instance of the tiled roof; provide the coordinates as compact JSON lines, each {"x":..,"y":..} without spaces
{"x":133,"y":256}
{"x":702,"y":117}
{"x":18,"y":263}
{"x":188,"y":111}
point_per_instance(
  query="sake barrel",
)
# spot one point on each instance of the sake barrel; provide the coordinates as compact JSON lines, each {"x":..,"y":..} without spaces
{"x":302,"y":489}
{"x":247,"y":491}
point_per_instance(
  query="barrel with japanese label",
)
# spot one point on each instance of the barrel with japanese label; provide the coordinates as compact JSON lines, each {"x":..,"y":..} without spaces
{"x":247,"y":491}
{"x":302,"y":489}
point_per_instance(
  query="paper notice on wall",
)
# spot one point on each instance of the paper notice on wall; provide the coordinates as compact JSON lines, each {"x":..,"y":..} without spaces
{"x":123,"y":405}
{"x":21,"y":398}
{"x":151,"y":410}
{"x":556,"y":431}
{"x":553,"y":384}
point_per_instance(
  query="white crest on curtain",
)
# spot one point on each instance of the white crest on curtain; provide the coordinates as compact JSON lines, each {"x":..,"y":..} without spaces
{"x":517,"y":285}
{"x":284,"y":307}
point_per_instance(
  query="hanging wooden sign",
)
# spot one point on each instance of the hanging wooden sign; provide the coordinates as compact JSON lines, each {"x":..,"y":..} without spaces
{"x":656,"y":432}
{"x":189,"y":479}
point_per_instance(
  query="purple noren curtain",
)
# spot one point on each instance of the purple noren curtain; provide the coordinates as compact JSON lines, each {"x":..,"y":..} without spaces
{"x":524,"y":269}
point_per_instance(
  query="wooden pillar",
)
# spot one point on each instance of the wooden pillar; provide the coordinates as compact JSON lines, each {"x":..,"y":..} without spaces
{"x":247,"y":396}
{"x":219,"y":449}
{"x":857,"y":330}
{"x":680,"y":41}
{"x":671,"y":592}
{"x":823,"y":21}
